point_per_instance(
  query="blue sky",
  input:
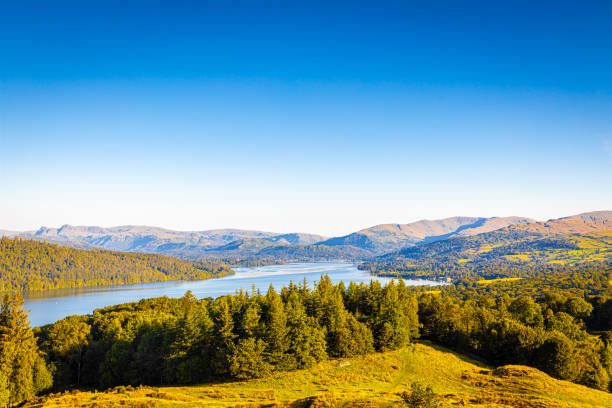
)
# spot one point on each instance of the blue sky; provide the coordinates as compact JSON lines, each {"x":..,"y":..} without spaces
{"x":315,"y":117}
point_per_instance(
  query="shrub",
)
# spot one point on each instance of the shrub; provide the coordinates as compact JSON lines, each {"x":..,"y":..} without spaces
{"x":420,"y":397}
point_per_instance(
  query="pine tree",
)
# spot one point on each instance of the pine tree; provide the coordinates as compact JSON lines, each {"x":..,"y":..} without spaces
{"x":305,"y":338}
{"x":276,"y":327}
{"x":246,"y":360}
{"x":191,"y":348}
{"x":224,"y":335}
{"x":21,"y":363}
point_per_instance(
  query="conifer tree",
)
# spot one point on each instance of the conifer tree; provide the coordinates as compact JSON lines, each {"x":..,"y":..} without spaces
{"x":21,"y":363}
{"x":224,"y":335}
{"x":276,"y":326}
{"x":192,"y":346}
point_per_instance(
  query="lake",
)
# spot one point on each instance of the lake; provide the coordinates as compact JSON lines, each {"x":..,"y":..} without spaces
{"x":47,"y":307}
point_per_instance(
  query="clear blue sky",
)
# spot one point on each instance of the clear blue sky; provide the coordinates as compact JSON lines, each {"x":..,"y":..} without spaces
{"x":315,"y":117}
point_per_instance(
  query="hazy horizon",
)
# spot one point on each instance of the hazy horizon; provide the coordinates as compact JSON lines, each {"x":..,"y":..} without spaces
{"x":283,"y":232}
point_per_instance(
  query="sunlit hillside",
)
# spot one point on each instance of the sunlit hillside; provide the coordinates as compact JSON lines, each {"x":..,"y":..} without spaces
{"x":518,"y":249}
{"x":371,"y":380}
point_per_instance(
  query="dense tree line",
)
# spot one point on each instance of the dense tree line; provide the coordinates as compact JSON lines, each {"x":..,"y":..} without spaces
{"x":250,"y":262}
{"x":33,"y":265}
{"x":247,"y":335}
{"x":494,"y":254}
{"x":313,"y":253}
{"x":183,"y":341}
{"x":168,"y":341}
{"x":570,"y":280}
{"x":546,"y":276}
{"x":549,"y":333}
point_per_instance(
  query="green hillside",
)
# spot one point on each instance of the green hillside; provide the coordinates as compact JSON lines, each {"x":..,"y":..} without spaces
{"x":505,"y":252}
{"x":33,"y":265}
{"x":365,"y":381}
{"x":458,"y":243}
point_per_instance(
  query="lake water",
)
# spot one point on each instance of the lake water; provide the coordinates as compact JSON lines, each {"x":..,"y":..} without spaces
{"x":47,"y":307}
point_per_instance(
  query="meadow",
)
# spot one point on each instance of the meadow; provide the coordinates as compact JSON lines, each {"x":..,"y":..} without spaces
{"x":370,"y":380}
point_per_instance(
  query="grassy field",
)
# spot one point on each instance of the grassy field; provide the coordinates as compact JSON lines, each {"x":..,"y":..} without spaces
{"x":372,"y":380}
{"x":496,"y":280}
{"x":593,"y":247}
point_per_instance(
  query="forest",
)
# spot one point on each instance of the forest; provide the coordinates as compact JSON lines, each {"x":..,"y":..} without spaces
{"x":509,"y":253}
{"x":164,"y":341}
{"x":27,"y":265}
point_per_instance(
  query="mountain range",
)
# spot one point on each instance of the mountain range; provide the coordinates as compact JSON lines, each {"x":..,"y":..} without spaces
{"x":390,"y":237}
{"x":583,"y":239}
{"x":366,"y":243}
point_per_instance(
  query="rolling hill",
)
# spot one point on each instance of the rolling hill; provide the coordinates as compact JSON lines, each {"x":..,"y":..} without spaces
{"x":232,"y":243}
{"x":27,"y":265}
{"x":404,"y":242}
{"x":570,"y":241}
{"x":595,"y":221}
{"x":184,"y":244}
{"x":366,"y":381}
{"x":392,"y":237}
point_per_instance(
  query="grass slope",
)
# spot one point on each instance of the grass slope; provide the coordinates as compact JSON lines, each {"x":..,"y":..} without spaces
{"x":372,"y":380}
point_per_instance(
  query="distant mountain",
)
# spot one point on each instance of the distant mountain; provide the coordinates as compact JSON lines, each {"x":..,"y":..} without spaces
{"x":296,"y":238}
{"x":314,"y":253}
{"x":233,"y":243}
{"x":146,"y":239}
{"x":584,"y":239}
{"x":7,"y":233}
{"x":577,"y":224}
{"x":242,"y":248}
{"x":185,"y":244}
{"x":396,"y":240}
{"x":252,"y":247}
{"x":392,"y":237}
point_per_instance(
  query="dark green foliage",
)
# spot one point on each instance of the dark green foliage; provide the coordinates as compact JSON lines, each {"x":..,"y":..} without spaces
{"x":539,"y":281}
{"x":23,"y":371}
{"x":32,"y":265}
{"x":547,"y":333}
{"x":420,"y":397}
{"x":491,"y":255}
{"x":392,"y":312}
{"x":247,"y":335}
{"x":68,"y":338}
{"x":247,"y":359}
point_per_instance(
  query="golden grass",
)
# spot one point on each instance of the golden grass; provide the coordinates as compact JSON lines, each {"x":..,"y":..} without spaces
{"x":372,"y":380}
{"x":487,"y":248}
{"x":497,"y":280}
{"x":517,"y":257}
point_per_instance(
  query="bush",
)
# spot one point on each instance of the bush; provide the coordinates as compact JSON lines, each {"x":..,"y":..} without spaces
{"x":420,"y":397}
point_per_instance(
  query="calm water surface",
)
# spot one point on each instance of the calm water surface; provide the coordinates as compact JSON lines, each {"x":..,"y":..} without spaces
{"x":47,"y":307}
